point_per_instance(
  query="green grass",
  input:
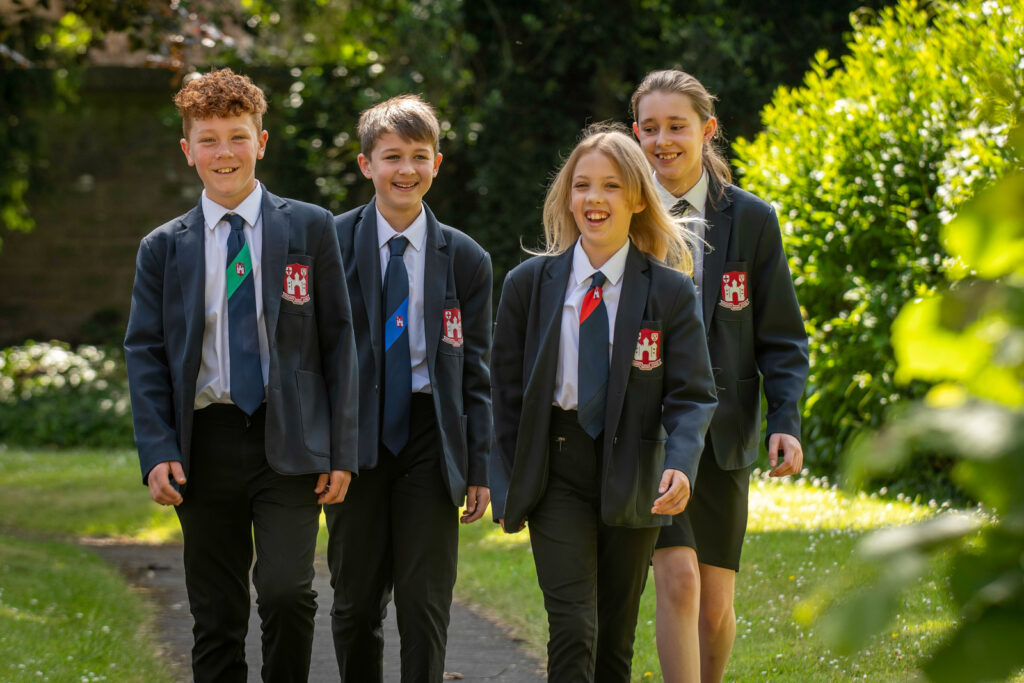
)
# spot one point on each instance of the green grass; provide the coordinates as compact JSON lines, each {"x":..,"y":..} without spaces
{"x":801,"y":536}
{"x":81,"y":494}
{"x":67,"y":616}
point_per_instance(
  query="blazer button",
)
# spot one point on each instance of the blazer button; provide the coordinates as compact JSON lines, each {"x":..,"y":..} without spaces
{"x":615,"y":440}
{"x":376,"y":388}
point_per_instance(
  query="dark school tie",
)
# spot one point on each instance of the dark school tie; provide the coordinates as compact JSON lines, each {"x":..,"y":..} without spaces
{"x":243,"y":338}
{"x":593,"y":359}
{"x":397,"y":366}
{"x":680,"y":208}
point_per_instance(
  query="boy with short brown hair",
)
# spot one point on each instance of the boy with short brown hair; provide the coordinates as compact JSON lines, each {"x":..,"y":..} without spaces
{"x":241,"y":366}
{"x":421,"y":307}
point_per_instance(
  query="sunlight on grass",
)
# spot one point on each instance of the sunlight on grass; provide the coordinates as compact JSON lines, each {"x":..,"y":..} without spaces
{"x":813,"y":505}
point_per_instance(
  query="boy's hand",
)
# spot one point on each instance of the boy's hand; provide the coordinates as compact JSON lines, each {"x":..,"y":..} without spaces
{"x":159,"y":480}
{"x":676,"y":489}
{"x":792,"y":455}
{"x":477,"y":499}
{"x":332,"y":487}
{"x":501,"y":521}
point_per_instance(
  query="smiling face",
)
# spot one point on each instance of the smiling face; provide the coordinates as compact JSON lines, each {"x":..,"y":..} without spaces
{"x":224,"y":151}
{"x":672,"y":136}
{"x":402,"y":171}
{"x":601,"y":206}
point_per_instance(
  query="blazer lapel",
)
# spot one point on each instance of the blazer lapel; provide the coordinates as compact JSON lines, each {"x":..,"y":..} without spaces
{"x":368,"y":267}
{"x":276,"y":226}
{"x":718,"y":214}
{"x":551,"y":298}
{"x":636,"y":286}
{"x":435,"y":281}
{"x":191,"y":255}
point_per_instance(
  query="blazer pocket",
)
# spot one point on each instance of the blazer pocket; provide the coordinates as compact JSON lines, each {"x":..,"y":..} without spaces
{"x":297,"y":285}
{"x":451,"y":329}
{"x":734,"y":292}
{"x":650,"y":468}
{"x":314,"y":412}
{"x":648,"y":353}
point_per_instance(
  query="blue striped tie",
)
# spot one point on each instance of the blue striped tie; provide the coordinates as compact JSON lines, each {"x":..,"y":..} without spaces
{"x":243,"y":339}
{"x":397,"y":366}
{"x":593,"y":359}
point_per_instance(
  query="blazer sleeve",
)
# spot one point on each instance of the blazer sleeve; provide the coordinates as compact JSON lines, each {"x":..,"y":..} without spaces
{"x":689,"y":399}
{"x":506,"y":391}
{"x":476,"y":379}
{"x":149,"y":376}
{"x":780,"y":340}
{"x":337,"y":348}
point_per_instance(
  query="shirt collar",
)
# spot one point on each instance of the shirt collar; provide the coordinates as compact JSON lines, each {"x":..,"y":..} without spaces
{"x":613,"y":268}
{"x":696,"y":195}
{"x":249,"y":209}
{"x":416,"y":233}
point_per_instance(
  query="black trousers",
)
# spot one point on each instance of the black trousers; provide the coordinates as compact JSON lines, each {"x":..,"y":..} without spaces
{"x":591,"y":574}
{"x":233,"y":498}
{"x":397,"y":529}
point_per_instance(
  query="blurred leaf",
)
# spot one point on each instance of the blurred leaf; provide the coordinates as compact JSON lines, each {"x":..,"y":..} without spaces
{"x":924,"y":537}
{"x":989,"y":233}
{"x":853,"y":620}
{"x":988,"y":649}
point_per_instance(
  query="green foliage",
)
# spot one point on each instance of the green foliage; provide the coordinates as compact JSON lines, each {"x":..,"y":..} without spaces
{"x":969,"y":338}
{"x":513,"y":83}
{"x":865,"y":163}
{"x":51,"y":395}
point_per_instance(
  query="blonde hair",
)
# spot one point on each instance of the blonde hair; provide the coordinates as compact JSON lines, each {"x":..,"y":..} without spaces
{"x":652,"y":230}
{"x":675,"y":81}
{"x":407,"y":116}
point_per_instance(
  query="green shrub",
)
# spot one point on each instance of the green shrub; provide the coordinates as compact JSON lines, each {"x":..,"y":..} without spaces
{"x":51,"y":395}
{"x":864,"y":164}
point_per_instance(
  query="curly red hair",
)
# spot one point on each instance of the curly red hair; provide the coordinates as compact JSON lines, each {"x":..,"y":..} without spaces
{"x":220,"y":93}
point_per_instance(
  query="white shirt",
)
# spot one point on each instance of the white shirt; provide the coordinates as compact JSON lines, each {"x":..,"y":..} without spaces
{"x":580,"y":280}
{"x":213,"y":385}
{"x":698,"y":198}
{"x":414,"y":258}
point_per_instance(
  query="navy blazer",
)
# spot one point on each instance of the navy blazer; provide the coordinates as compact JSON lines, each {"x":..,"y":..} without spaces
{"x":656,"y":415}
{"x":311,"y":391}
{"x":456,"y":277}
{"x":754,"y":326}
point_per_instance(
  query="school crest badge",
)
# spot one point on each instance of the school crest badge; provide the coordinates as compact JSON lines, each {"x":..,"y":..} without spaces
{"x":647,"y":355}
{"x":452,"y":333}
{"x":296,"y":283}
{"x":735,"y":293}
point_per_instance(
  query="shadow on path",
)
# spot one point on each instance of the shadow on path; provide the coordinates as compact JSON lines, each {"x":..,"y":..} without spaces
{"x":478,"y":650}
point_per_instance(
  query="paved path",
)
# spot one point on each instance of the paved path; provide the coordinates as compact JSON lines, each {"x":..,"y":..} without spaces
{"x":477,"y":649}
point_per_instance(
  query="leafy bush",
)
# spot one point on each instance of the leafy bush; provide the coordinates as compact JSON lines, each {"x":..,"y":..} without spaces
{"x":51,"y":395}
{"x":864,"y":164}
{"x":969,"y":338}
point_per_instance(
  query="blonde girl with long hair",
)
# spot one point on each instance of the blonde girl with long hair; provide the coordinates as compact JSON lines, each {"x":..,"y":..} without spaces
{"x":602,"y":389}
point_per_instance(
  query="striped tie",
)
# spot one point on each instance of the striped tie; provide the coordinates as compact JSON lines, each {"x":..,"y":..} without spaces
{"x":243,"y":339}
{"x":593,"y":359}
{"x":397,"y":366}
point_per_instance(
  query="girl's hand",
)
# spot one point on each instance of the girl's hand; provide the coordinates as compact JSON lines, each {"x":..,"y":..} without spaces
{"x":792,"y":460}
{"x":676,"y":489}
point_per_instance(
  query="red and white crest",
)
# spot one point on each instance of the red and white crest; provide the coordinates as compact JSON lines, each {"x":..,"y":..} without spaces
{"x":239,"y":269}
{"x":647,"y":355}
{"x":296,"y":283}
{"x":399,"y":322}
{"x":452,"y":323}
{"x":735,"y":294}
